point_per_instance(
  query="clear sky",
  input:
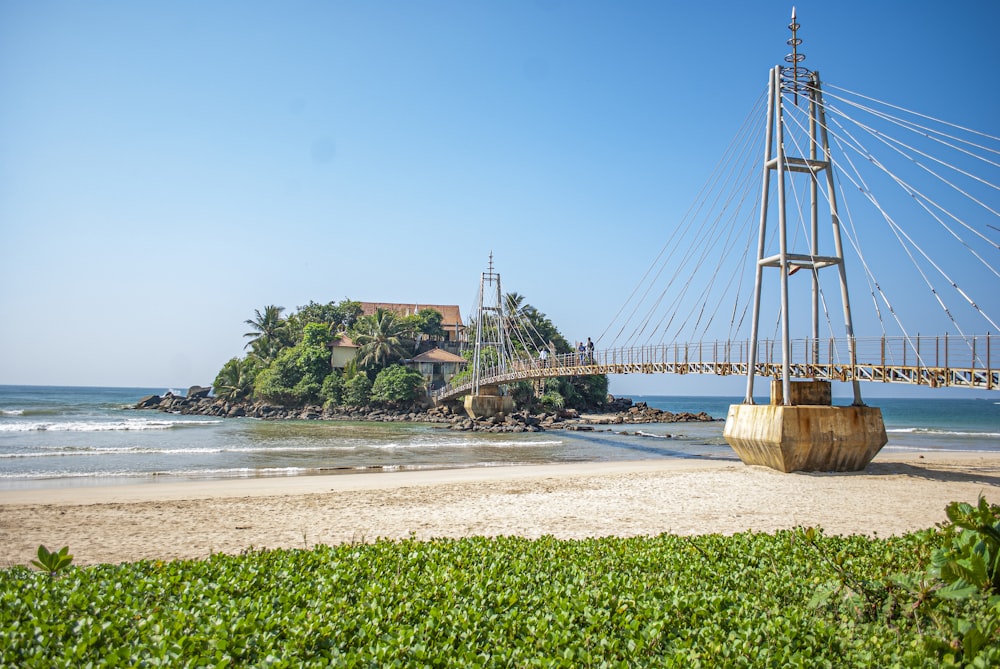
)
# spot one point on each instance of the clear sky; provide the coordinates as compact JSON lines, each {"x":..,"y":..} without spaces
{"x":168,"y":167}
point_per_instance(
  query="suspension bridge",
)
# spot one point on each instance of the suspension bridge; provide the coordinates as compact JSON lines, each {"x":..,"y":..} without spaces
{"x":909,"y":200}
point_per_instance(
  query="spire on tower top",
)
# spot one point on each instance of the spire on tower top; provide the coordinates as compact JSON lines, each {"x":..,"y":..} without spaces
{"x":794,"y":77}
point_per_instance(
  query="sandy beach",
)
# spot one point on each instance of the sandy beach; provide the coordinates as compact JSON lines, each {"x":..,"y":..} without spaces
{"x":898,"y":492}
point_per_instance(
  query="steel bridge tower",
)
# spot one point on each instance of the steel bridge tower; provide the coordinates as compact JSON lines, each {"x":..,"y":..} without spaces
{"x":800,"y":429}
{"x":797,"y":80}
{"x":493,"y":340}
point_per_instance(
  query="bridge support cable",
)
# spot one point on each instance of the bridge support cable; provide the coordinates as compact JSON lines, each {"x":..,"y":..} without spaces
{"x":930,"y":205}
{"x":933,"y":135}
{"x":716,"y":238}
{"x":954,"y":126}
{"x":905,"y":240}
{"x":652,"y":310}
{"x":855,"y":238}
{"x":724,"y":228}
{"x":818,"y":130}
{"x":934,"y":207}
{"x":851,"y":232}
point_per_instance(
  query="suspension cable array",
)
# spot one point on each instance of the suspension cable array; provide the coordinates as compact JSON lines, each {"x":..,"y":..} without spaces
{"x":915,"y":202}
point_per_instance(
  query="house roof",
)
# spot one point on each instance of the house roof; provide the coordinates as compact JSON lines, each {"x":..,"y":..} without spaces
{"x":438,"y":355}
{"x":450,"y":313}
{"x":343,"y":341}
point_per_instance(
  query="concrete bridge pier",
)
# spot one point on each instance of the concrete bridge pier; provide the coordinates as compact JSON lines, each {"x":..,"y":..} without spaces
{"x":809,"y":434}
{"x":488,"y":403}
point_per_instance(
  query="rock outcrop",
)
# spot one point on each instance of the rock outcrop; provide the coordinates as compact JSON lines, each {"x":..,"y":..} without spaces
{"x":640,"y":412}
{"x":454,"y":418}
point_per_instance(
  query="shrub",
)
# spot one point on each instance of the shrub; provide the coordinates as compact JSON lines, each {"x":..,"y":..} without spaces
{"x":552,"y":401}
{"x":357,"y":391}
{"x":397,"y":385}
{"x":665,"y":601}
{"x":332,"y":390}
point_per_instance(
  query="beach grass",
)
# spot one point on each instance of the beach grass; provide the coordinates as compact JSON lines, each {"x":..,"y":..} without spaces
{"x":793,"y":598}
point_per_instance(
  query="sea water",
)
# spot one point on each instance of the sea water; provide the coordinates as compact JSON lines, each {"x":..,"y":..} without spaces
{"x":71,"y":436}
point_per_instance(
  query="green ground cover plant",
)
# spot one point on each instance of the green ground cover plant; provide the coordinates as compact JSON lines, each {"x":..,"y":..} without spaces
{"x":796,"y":598}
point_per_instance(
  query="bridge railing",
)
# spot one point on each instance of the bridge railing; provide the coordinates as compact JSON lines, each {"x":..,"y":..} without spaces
{"x":921,"y":360}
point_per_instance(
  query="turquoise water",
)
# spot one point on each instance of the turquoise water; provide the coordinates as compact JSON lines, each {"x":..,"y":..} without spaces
{"x":67,"y":436}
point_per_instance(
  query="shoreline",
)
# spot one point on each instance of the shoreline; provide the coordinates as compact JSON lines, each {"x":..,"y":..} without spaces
{"x":898,"y":492}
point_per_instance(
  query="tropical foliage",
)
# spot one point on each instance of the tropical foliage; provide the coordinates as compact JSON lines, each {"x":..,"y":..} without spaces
{"x":397,"y":385}
{"x":340,"y":316}
{"x":297,"y":374}
{"x":357,"y":391}
{"x":426,"y":322}
{"x":332,"y":390}
{"x":235,"y":380}
{"x":288,"y":362}
{"x":539,"y":331}
{"x":795,"y":598}
{"x":380,"y":338}
{"x":269,"y":334}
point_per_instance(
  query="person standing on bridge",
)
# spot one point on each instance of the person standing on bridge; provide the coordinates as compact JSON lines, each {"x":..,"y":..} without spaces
{"x":580,"y":351}
{"x":542,"y":355}
{"x":590,"y":351}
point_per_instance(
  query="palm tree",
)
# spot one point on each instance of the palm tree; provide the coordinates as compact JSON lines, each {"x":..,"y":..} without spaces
{"x":379,"y":338}
{"x":235,"y":380}
{"x":514,"y":306}
{"x":521,"y":316}
{"x":268,"y":331}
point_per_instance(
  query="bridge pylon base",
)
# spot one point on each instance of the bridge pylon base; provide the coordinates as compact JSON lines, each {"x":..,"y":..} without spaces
{"x":805,"y":437}
{"x":488,"y":403}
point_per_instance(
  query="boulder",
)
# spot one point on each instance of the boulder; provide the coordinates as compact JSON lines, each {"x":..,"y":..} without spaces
{"x":198,"y":392}
{"x":148,"y":402}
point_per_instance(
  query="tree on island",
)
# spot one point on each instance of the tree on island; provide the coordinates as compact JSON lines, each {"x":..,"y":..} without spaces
{"x":236,"y":378}
{"x":269,"y":335}
{"x":380,"y":338}
{"x":341,"y":317}
{"x":397,"y":384}
{"x":297,"y":374}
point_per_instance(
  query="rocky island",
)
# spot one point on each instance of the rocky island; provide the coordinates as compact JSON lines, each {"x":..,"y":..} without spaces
{"x":617,"y":411}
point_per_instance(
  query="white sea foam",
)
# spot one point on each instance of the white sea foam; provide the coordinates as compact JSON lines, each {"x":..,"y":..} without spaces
{"x":237,"y":472}
{"x":917,"y":449}
{"x":11,"y":412}
{"x":942,"y":433}
{"x":85,"y":451}
{"x":473,"y":442}
{"x":132,"y":424}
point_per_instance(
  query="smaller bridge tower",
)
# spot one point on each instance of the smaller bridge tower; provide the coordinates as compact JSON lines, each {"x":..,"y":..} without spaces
{"x":800,"y":429}
{"x":492,"y":349}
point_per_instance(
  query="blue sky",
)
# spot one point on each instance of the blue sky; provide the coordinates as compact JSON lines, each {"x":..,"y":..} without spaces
{"x":168,"y":167}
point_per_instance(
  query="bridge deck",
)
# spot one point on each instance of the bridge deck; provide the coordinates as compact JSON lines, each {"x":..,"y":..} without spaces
{"x":936,"y":362}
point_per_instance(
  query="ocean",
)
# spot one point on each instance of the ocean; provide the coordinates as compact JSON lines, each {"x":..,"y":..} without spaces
{"x":74,"y":436}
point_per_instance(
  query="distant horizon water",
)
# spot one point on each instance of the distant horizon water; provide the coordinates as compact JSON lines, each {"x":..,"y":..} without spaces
{"x":66,"y":436}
